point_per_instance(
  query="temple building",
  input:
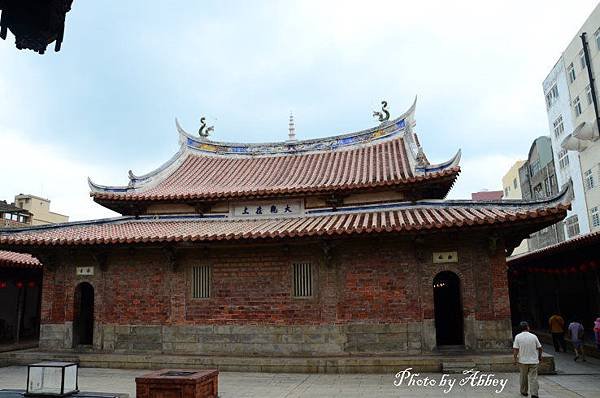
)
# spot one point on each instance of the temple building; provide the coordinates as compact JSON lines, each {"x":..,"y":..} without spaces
{"x":20,"y":282}
{"x":336,"y":247}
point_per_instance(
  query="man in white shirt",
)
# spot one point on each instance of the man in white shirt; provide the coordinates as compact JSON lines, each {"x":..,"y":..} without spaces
{"x":528,"y":350}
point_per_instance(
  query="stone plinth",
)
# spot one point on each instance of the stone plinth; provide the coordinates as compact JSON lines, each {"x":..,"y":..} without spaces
{"x":176,"y":383}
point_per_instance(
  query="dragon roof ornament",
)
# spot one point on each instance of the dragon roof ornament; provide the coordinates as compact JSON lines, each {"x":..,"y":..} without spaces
{"x":399,"y":128}
{"x":386,"y":129}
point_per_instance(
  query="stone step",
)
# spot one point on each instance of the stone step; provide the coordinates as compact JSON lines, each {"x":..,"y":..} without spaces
{"x":327,"y":364}
{"x":458,"y":366}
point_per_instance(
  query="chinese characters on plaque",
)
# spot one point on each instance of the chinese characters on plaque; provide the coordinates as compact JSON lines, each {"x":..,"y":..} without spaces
{"x":267,"y":209}
{"x":85,"y":271}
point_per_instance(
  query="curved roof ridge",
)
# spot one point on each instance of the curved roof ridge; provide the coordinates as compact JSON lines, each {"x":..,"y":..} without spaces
{"x":385,"y":129}
{"x":176,"y":159}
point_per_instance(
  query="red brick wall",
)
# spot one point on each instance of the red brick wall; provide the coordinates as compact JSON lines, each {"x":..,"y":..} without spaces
{"x":385,"y":280}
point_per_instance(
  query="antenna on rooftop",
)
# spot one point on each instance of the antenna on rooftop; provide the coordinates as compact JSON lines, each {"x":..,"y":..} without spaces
{"x":291,"y":128}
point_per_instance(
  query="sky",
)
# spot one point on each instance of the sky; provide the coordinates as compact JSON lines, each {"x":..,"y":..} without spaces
{"x":106,"y":103}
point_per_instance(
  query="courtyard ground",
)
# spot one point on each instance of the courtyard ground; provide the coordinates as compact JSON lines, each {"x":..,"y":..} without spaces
{"x":573,"y":380}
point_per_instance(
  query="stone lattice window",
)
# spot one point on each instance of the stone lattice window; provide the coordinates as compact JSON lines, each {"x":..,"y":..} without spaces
{"x":201,"y":281}
{"x":303,"y":281}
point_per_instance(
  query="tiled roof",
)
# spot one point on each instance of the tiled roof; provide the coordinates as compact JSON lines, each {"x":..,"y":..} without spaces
{"x":399,"y":217}
{"x":388,"y":155}
{"x":19,"y":260}
{"x":11,"y":208}
{"x":581,"y":241}
{"x":217,"y":177}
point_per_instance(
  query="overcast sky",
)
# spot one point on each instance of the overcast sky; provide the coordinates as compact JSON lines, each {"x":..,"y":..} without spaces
{"x":106,"y":102}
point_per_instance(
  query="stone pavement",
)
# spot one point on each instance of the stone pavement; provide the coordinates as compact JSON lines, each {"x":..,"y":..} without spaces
{"x":572,"y":380}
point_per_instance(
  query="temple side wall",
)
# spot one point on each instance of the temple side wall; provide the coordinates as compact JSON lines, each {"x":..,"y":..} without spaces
{"x":370,"y":296}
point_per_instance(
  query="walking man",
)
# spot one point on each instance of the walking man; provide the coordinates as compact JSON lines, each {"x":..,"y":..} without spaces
{"x":528,"y":351}
{"x":557,"y":328}
{"x":576,"y":332}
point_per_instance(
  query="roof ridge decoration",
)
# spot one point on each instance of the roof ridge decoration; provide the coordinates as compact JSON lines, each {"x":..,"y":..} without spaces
{"x":415,"y":169}
{"x":384,"y":130}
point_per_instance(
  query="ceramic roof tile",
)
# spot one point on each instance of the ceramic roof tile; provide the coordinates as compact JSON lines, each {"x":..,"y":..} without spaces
{"x":399,"y":217}
{"x":18,"y":260}
{"x":201,"y":176}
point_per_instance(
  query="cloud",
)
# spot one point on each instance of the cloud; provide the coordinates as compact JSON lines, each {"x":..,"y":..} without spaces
{"x":42,"y":169}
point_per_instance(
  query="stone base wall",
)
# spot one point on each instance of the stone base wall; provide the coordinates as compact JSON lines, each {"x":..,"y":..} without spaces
{"x":412,"y":338}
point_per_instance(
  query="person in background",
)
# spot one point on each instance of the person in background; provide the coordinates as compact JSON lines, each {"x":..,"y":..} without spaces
{"x":528,"y":351}
{"x":597,"y":332}
{"x":557,"y":328}
{"x":576,"y":333}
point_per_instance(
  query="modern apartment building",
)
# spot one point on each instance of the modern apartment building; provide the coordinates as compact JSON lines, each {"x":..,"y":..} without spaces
{"x":572,"y":103}
{"x":560,"y":123}
{"x":537,"y":176}
{"x":40,"y":210}
{"x":511,"y":187}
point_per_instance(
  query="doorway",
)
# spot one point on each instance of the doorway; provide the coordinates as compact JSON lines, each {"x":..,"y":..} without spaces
{"x":83,"y":321}
{"x":448,"y":309}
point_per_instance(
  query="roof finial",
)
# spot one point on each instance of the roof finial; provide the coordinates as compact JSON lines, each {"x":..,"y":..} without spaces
{"x":384,"y":115}
{"x":202,"y":132}
{"x":292,"y":128}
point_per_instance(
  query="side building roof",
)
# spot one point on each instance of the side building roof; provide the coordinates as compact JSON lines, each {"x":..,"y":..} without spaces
{"x":18,"y":260}
{"x":388,"y":155}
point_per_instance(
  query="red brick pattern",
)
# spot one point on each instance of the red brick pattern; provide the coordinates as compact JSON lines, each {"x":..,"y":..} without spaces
{"x":365,"y":280}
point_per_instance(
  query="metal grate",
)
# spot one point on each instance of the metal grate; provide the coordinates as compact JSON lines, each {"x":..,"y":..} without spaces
{"x":303,"y":280}
{"x":201,"y":281}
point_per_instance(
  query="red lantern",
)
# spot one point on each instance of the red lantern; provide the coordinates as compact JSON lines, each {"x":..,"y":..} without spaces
{"x":31,"y":284}
{"x":2,"y":285}
{"x":19,"y":284}
{"x":583,"y":267}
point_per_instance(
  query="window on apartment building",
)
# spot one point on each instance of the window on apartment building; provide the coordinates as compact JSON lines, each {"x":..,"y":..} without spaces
{"x":595,"y":216}
{"x":303,"y":280}
{"x":558,"y":126}
{"x":534,"y":167}
{"x":552,"y":95}
{"x":549,"y":186}
{"x":201,"y":281}
{"x":563,"y":158}
{"x":572,"y":224}
{"x":577,"y":106}
{"x":582,"y":59}
{"x":514,"y":183}
{"x":538,"y":191}
{"x":588,"y":94}
{"x":588,"y":178}
{"x":597,"y":37}
{"x":571,"y":73}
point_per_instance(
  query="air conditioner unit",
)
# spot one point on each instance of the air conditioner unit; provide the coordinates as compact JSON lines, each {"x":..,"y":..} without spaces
{"x":571,"y":143}
{"x":586,"y":131}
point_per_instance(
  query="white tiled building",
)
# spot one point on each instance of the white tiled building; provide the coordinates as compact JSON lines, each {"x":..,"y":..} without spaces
{"x":572,"y":104}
